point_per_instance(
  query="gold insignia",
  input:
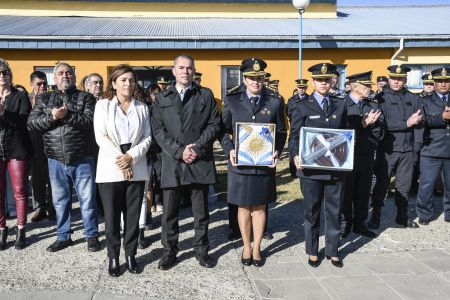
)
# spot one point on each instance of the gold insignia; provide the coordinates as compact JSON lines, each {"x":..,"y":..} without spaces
{"x":324,"y":69}
{"x":444,"y":72}
{"x":162,"y":79}
{"x":430,"y":77}
{"x":256,"y":67}
{"x":398,"y":70}
{"x":334,"y":116}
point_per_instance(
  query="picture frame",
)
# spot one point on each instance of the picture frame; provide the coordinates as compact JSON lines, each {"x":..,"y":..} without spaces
{"x":327,"y":148}
{"x":255,"y":143}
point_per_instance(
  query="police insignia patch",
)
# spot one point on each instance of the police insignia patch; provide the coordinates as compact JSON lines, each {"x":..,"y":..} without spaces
{"x":398,"y":70}
{"x":444,"y":72}
{"x":430,"y":77}
{"x":256,"y":67}
{"x":324,"y":69}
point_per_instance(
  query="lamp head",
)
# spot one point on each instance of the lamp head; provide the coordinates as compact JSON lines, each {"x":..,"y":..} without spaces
{"x":300,"y":5}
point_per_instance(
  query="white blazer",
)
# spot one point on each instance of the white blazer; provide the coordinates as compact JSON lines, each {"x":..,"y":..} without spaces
{"x":108,"y":141}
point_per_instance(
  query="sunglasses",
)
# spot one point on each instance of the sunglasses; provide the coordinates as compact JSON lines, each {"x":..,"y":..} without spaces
{"x":41,"y":83}
{"x":4,"y":73}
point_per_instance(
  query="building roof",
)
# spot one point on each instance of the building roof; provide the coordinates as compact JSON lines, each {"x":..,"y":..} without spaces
{"x":354,"y":27}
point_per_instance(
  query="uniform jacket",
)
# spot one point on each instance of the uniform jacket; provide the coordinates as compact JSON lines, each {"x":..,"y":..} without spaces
{"x":237,"y":108}
{"x":397,"y":107}
{"x":108,"y":141}
{"x":366,"y":139}
{"x":437,"y":131}
{"x":14,"y":121}
{"x":308,"y":113}
{"x":291,"y":104}
{"x":177,"y":124}
{"x":70,"y":139}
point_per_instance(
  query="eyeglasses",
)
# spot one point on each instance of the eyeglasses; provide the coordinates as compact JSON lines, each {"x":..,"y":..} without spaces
{"x":4,"y":73}
{"x":41,"y":83}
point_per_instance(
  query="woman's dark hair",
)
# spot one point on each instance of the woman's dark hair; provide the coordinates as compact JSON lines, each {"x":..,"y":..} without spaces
{"x":116,"y":72}
{"x":153,"y":88}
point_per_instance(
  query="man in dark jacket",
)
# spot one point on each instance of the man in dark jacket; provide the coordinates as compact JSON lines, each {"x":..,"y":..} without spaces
{"x":65,"y":117}
{"x":185,"y":124}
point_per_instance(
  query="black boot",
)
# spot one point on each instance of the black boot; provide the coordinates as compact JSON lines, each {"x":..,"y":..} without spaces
{"x":20,"y":239}
{"x":114,"y":267}
{"x":142,"y":242}
{"x":3,"y":238}
{"x":403,"y":219}
{"x":374,"y":222}
{"x":132,"y":265}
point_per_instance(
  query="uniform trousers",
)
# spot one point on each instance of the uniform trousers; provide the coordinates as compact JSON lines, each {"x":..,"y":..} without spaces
{"x":169,"y":223}
{"x":430,"y":170}
{"x":331,"y":192}
{"x":121,"y":197}
{"x":357,"y":191}
{"x":399,"y":164}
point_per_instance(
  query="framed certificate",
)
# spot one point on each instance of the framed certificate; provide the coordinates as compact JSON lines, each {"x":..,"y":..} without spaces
{"x":326,"y":148}
{"x":255,"y":144}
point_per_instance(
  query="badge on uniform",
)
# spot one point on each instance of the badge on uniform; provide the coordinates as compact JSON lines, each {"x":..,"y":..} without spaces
{"x":334,"y":116}
{"x":265,"y":111}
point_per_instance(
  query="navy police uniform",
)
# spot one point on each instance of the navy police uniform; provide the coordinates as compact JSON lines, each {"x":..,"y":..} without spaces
{"x":318,"y":185}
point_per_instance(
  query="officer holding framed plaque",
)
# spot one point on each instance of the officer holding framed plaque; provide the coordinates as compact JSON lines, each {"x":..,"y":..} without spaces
{"x":320,"y":110}
{"x":253,"y":136}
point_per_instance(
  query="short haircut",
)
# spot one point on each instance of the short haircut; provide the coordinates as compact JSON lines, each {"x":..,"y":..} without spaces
{"x":185,"y":56}
{"x":63,"y":64}
{"x":38,"y":74}
{"x":93,"y":74}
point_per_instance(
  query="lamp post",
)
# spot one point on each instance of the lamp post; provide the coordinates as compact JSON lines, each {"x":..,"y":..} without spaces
{"x":301,"y":6}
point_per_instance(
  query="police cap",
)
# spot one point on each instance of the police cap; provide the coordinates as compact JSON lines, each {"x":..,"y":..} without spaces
{"x":363,"y":78}
{"x":322,"y":70}
{"x":252,"y":67}
{"x":398,"y":71}
{"x":441,"y":73}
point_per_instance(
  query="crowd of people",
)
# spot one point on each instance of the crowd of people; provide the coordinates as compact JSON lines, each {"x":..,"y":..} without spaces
{"x":123,"y":148}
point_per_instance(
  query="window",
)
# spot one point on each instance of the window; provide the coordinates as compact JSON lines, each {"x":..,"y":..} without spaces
{"x":414,"y":80}
{"x":231,"y":77}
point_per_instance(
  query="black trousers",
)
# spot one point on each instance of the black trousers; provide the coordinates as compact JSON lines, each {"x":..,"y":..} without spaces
{"x":387,"y":165}
{"x":169,"y":223}
{"x":314,"y":192}
{"x":122,"y":197}
{"x":357,"y":191}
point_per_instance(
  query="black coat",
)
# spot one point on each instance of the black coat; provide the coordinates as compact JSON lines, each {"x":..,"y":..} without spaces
{"x":308,"y":113}
{"x":237,"y":108}
{"x":14,"y":121}
{"x":291,"y":104}
{"x":366,"y":139}
{"x":71,"y":138}
{"x":177,"y":124}
{"x":397,"y":107}
{"x":437,"y":131}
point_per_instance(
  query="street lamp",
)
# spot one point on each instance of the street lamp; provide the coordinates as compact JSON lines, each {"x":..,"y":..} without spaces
{"x":300,"y":5}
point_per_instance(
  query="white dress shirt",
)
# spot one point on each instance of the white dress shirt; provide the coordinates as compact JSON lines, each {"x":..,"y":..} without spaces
{"x":126,"y":123}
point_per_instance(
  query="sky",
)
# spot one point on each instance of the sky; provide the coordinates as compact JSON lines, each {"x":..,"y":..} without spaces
{"x":390,"y":2}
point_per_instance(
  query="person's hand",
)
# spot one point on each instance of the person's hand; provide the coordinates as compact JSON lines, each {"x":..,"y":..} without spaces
{"x":446,"y":114}
{"x":59,"y":113}
{"x":127,"y":174}
{"x":297,"y":163}
{"x":124,"y":161}
{"x":232,"y":158}
{"x":370,"y":118}
{"x":189,"y":154}
{"x":275,"y":159}
{"x":415,"y":119}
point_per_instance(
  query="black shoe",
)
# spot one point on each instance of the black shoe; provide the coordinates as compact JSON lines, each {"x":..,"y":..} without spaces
{"x":336,"y":263}
{"x":59,"y":245}
{"x":267,"y":236}
{"x":93,"y":245}
{"x":424,"y":222}
{"x":205,"y":260}
{"x":364,"y":231}
{"x":167,"y":262}
{"x":314,"y":263}
{"x":132,"y":265}
{"x":374,"y":222}
{"x":21,"y":240}
{"x":114,"y":267}
{"x":258,"y":262}
{"x":246,"y":261}
{"x":39,"y":215}
{"x":142,"y":242}
{"x":234,"y":235}
{"x":3,"y":238}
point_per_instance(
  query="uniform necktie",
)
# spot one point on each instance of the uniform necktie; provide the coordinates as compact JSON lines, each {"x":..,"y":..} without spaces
{"x":325,"y":105}
{"x":253,"y":101}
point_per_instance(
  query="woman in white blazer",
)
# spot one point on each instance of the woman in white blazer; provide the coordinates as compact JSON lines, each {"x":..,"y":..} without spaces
{"x":123,"y":134}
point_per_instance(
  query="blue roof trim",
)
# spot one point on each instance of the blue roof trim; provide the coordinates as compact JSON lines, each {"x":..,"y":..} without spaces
{"x":206,"y":1}
{"x":216,"y":44}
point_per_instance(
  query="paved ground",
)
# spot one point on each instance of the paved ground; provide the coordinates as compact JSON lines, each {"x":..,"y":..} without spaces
{"x":399,"y":264}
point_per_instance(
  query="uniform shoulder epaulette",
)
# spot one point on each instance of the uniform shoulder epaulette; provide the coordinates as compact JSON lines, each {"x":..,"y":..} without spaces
{"x":233,"y":90}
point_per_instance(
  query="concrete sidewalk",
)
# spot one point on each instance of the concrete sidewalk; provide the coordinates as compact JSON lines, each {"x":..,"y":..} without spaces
{"x":399,"y":264}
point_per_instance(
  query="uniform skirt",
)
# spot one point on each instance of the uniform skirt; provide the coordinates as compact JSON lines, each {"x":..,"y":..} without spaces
{"x":247,"y":190}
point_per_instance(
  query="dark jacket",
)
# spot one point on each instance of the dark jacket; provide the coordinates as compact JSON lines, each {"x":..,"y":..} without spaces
{"x":70,"y":139}
{"x":366,"y":139}
{"x":177,"y":124}
{"x":437,"y":131}
{"x":237,"y":108}
{"x":308,"y":113}
{"x":397,"y":107}
{"x":14,"y":121}
{"x":291,"y":104}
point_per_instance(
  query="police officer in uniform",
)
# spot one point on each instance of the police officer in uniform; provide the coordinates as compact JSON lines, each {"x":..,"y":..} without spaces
{"x":335,"y":91}
{"x":366,"y":119}
{"x":198,"y":78}
{"x":435,"y":154}
{"x":382,"y":82}
{"x":400,"y":147}
{"x":252,"y":188}
{"x":322,"y":111}
{"x":428,"y":85}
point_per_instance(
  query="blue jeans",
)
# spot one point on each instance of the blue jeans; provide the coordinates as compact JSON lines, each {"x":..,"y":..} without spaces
{"x":81,"y":175}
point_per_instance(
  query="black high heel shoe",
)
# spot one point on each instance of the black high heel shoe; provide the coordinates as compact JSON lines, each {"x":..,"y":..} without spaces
{"x":114,"y":267}
{"x":132,"y":265}
{"x":336,"y":263}
{"x":258,"y":262}
{"x":246,"y":261}
{"x":313,"y":263}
